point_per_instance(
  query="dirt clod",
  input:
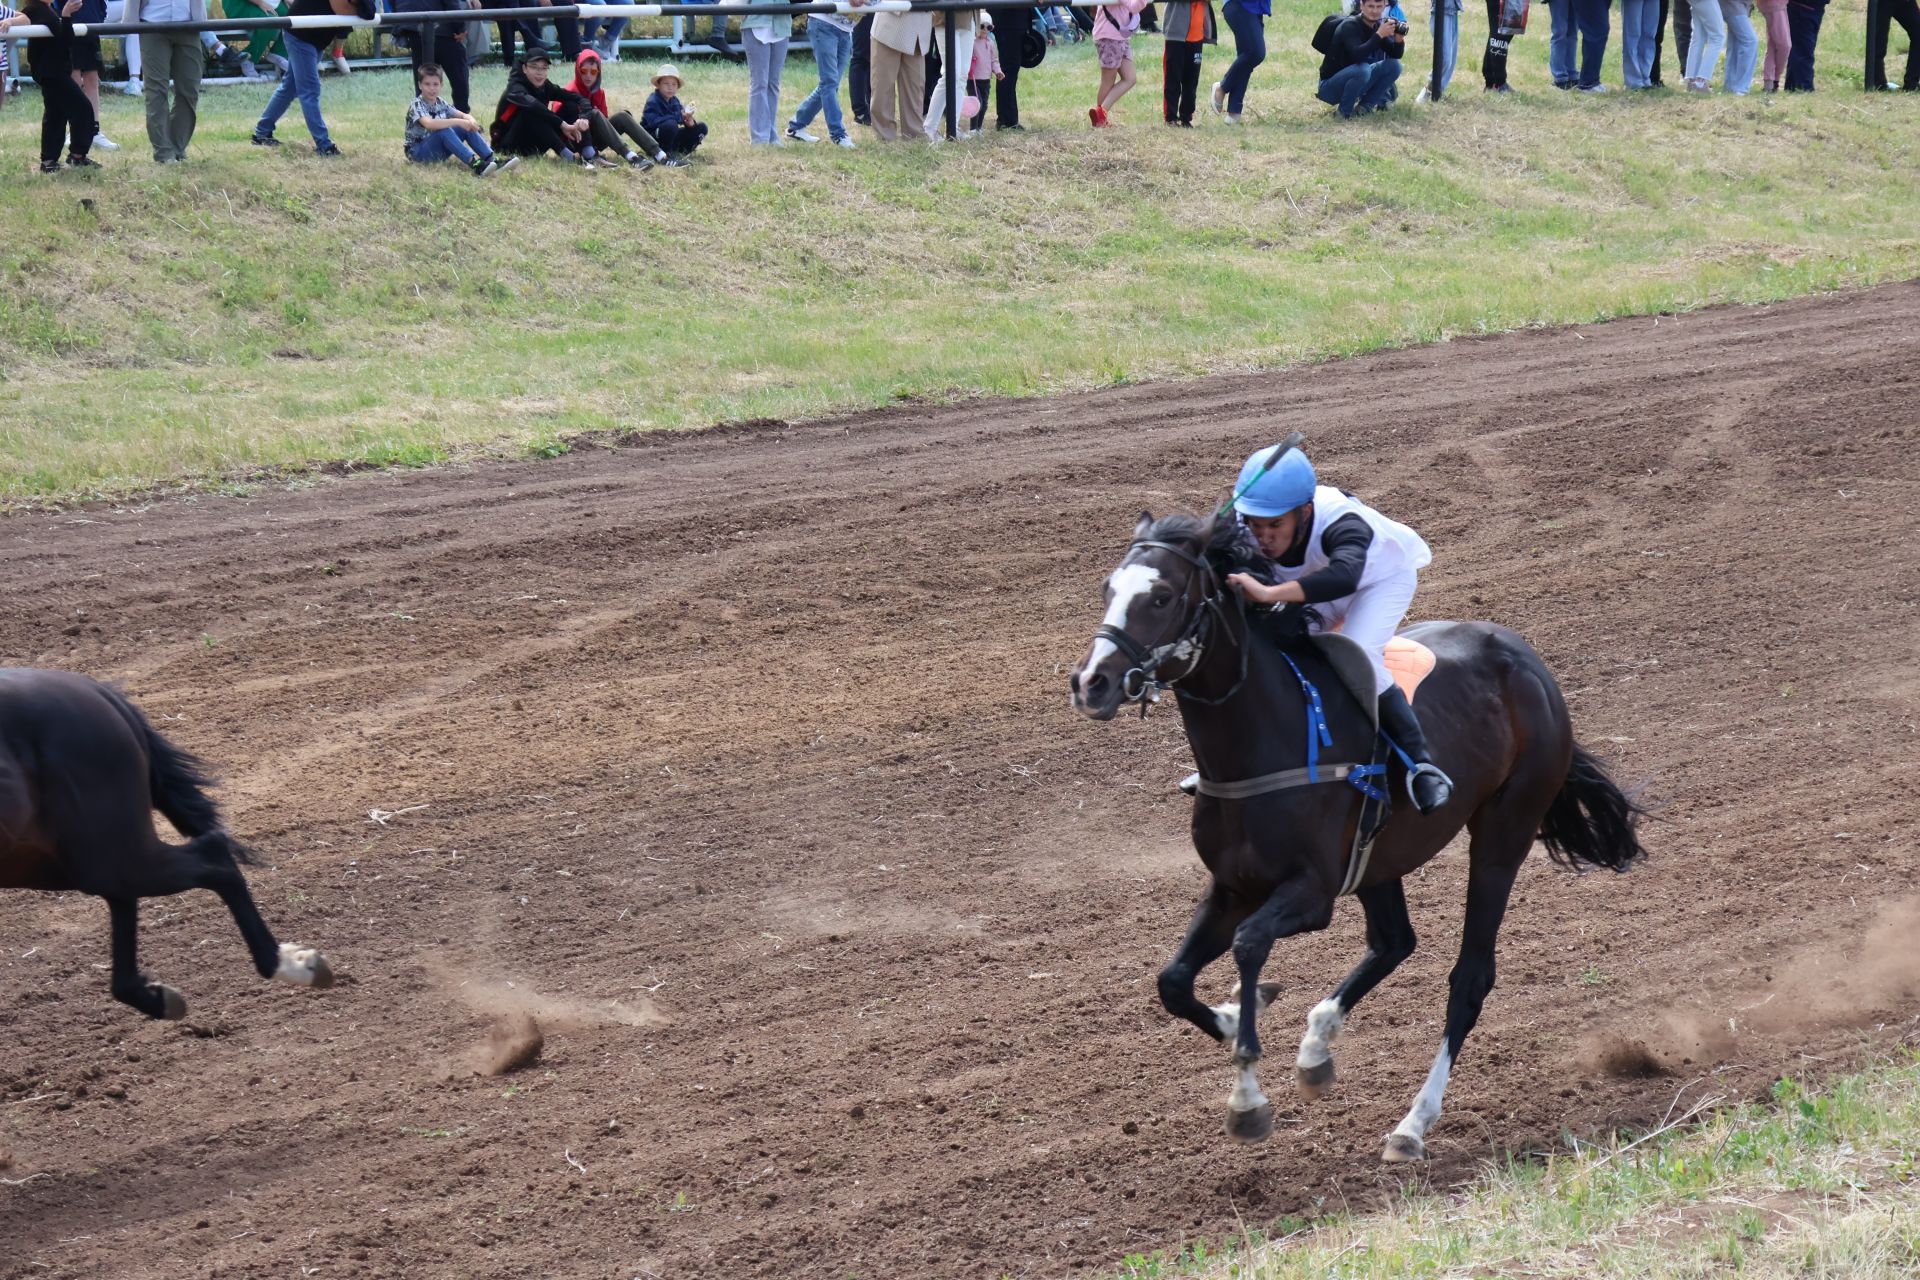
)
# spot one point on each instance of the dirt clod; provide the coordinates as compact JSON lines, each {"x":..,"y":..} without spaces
{"x":513,"y":1041}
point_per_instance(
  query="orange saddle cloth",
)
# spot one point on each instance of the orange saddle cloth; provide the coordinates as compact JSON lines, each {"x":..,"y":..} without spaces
{"x":1409,"y":662}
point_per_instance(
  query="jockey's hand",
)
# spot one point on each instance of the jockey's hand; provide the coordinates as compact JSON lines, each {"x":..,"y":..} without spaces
{"x":1260,"y":593}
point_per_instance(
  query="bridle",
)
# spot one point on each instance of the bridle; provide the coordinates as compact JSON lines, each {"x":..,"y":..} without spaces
{"x":1143,"y":681}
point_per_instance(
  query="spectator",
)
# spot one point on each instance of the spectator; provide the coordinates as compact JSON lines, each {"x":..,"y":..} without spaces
{"x":966,"y":30}
{"x":1907,"y":14}
{"x":1592,"y":19}
{"x":87,"y":67}
{"x":1189,"y":29}
{"x":983,"y":74}
{"x":566,"y":28}
{"x":535,"y":115}
{"x":302,"y":80}
{"x":1010,"y":31}
{"x":602,"y":35}
{"x":1743,"y":46}
{"x":615,"y":133}
{"x":1803,"y":21}
{"x":174,"y":58}
{"x":1362,"y":63}
{"x":441,"y":43}
{"x":1779,"y":44}
{"x":900,"y":45}
{"x":1709,"y":40}
{"x":1113,"y":28}
{"x":717,"y":36}
{"x":9,"y":19}
{"x":1682,"y":11}
{"x":65,"y":111}
{"x":265,"y":45}
{"x":765,"y":37}
{"x":831,"y":35}
{"x":436,"y":131}
{"x":1443,"y":20}
{"x":860,"y":71}
{"x":667,"y":119}
{"x":1639,"y":31}
{"x":1247,"y":19}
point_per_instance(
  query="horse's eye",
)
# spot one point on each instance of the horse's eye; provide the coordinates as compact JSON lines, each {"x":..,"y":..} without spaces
{"x":1162,"y":600}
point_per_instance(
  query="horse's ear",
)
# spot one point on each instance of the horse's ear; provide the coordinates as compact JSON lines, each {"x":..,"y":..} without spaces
{"x":1144,"y":527}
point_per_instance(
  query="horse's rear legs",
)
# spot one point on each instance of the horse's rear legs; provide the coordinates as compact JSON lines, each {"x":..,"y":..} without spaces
{"x":301,"y":966}
{"x":1487,"y":889}
{"x":130,"y":986}
{"x":1390,"y":940}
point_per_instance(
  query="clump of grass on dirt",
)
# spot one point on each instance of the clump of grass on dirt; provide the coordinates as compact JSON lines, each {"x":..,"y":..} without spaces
{"x":1815,"y":1182}
{"x":259,"y":309}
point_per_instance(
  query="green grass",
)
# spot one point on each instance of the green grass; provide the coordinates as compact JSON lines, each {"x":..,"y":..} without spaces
{"x":1812,"y":1184}
{"x":259,"y":310}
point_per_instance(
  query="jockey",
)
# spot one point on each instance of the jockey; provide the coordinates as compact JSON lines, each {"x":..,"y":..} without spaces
{"x":1355,"y":567}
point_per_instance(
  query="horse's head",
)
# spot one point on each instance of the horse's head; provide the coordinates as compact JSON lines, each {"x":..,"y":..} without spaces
{"x":1158,"y":601}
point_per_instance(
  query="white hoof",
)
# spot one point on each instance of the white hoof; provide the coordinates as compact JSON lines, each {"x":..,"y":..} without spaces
{"x":303,"y":966}
{"x":1404,"y":1149}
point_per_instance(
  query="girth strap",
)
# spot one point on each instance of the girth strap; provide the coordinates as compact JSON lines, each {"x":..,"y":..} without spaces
{"x":1246,"y":788}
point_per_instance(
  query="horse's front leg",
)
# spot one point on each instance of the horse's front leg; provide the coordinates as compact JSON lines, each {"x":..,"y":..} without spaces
{"x":1292,"y":908}
{"x":1208,"y":936}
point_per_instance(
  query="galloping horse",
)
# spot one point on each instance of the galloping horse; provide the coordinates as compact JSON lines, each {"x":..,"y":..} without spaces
{"x":1278,"y":830}
{"x":81,"y":772}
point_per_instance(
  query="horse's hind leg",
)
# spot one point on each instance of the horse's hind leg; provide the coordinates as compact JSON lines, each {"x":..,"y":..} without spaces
{"x":1390,"y":940}
{"x":302,"y":966}
{"x":130,"y":986}
{"x":1488,"y":885}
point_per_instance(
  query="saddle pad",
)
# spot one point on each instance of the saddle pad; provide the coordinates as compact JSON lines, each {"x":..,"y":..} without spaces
{"x":1408,"y":662}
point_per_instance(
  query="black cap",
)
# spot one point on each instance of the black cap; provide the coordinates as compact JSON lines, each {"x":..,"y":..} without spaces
{"x":535,"y":53}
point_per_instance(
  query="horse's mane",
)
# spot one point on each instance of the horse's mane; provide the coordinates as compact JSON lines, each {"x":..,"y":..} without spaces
{"x":1230,"y":547}
{"x":1222,"y":540}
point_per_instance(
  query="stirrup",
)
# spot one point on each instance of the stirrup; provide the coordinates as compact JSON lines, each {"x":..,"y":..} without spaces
{"x":1190,"y":785}
{"x":1443,"y":786}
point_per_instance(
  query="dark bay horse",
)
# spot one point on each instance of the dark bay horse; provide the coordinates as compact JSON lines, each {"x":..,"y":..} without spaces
{"x":81,"y":772}
{"x":1495,"y":722}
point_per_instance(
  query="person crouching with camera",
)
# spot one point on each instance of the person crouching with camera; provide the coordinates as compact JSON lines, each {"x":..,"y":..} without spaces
{"x":1358,"y":73}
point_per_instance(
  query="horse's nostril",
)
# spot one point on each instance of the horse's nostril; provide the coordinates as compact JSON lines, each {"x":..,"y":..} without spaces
{"x":1073,"y":682}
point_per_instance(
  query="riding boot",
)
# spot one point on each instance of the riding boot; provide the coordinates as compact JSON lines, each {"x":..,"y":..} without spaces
{"x":1429,"y":787}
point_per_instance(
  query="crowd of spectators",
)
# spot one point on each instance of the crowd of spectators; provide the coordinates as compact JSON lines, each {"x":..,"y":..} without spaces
{"x":889,"y":63}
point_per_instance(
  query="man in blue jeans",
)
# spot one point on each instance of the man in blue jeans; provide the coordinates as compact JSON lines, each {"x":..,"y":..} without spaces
{"x":831,"y":35}
{"x":1359,"y":71}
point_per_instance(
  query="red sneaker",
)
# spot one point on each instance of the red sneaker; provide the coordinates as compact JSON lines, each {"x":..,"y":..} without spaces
{"x":1099,"y":117}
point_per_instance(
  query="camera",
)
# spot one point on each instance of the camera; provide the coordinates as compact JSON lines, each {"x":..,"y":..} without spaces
{"x":1396,"y":26}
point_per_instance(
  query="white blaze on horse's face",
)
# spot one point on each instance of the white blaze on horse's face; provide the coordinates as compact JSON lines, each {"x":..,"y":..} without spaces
{"x":1126,"y":585}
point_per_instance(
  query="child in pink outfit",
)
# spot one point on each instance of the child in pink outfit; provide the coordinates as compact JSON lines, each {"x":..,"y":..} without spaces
{"x":1113,"y":28}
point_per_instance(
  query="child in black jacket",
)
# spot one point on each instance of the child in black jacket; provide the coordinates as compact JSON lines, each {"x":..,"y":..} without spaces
{"x":524,"y":122}
{"x":67,"y":111}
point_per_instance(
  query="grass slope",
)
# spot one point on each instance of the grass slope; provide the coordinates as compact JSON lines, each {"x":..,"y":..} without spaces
{"x":255,"y":309}
{"x":1816,"y":1184}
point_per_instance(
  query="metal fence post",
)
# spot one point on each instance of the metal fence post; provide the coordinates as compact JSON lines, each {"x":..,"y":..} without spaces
{"x":1438,"y":20}
{"x":1876,"y":56}
{"x":947,"y":70}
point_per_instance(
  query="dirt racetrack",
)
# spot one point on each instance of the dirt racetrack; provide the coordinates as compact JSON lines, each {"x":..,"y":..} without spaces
{"x":743,"y":761}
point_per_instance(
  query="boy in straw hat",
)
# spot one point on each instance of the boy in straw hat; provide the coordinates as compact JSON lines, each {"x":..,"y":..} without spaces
{"x":667,"y":119}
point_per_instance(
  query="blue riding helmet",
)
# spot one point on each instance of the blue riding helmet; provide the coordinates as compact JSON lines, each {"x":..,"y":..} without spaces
{"x":1280,"y":488}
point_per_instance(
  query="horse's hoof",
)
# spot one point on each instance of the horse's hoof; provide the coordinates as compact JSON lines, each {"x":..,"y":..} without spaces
{"x":1403,"y":1150}
{"x":1254,"y":1125}
{"x":1269,"y":992}
{"x":303,"y":966}
{"x":1315,"y":1081}
{"x":173,"y":1005}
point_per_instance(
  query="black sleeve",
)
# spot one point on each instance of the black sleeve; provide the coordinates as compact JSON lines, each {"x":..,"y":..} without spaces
{"x":1345,"y":542}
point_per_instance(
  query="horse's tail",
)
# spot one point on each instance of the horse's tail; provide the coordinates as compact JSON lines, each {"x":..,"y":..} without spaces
{"x":1592,"y":822}
{"x":178,"y":781}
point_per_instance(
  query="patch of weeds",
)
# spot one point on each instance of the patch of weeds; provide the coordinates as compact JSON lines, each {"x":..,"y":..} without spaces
{"x":393,"y":454}
{"x":548,"y":447}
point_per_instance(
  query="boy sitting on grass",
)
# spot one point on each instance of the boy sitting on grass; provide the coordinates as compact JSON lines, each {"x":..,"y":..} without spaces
{"x":436,"y":131}
{"x":666,"y":119}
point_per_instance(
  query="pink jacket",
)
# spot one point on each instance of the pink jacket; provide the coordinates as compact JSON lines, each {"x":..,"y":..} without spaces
{"x":1118,"y":21}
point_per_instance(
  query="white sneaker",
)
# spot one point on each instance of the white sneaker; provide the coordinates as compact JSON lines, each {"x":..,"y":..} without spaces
{"x":843,"y":141}
{"x":1425,"y":95}
{"x":1596,"y":88}
{"x":133,"y":88}
{"x":1219,"y":99}
{"x":340,"y":64}
{"x":101,"y":142}
{"x":1231,"y":119}
{"x":801,"y":135}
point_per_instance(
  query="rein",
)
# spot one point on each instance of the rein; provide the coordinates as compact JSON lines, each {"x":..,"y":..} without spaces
{"x":1142,"y":682}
